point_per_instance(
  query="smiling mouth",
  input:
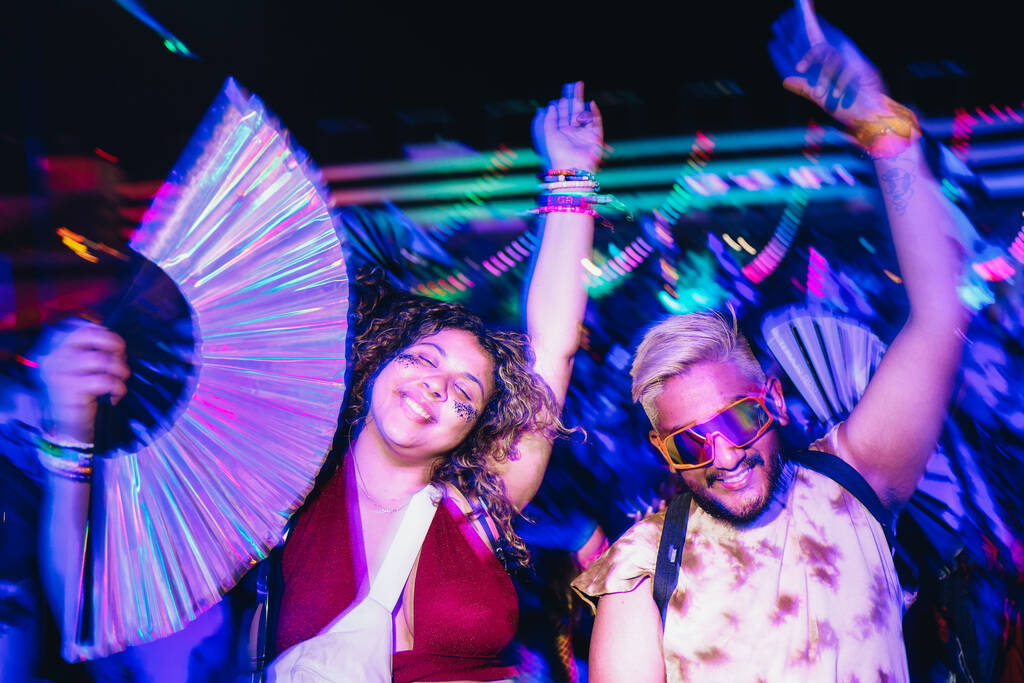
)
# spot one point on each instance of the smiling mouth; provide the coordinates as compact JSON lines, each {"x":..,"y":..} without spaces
{"x":417,"y":409}
{"x":736,"y":480}
{"x":733,"y":481}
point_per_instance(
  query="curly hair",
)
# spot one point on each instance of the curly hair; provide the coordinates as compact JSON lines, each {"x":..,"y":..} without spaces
{"x":389,"y":320}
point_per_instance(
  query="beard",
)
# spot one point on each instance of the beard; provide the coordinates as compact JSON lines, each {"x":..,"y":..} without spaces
{"x":750,"y":512}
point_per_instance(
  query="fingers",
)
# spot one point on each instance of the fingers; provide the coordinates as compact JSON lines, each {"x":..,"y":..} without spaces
{"x":100,"y":384}
{"x":799,"y":86}
{"x":817,"y":58}
{"x":92,"y":362}
{"x":576,"y":95}
{"x":90,"y":336}
{"x":551,"y":119}
{"x":569,"y":110}
{"x":814,"y":33}
{"x":827,"y":79}
{"x":568,"y":132}
{"x":91,"y":349}
{"x":539,"y":130}
{"x":595,"y":114}
{"x":564,"y":109}
{"x":88,"y":360}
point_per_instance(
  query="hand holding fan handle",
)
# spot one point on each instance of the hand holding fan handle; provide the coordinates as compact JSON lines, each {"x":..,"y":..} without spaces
{"x":82,"y":368}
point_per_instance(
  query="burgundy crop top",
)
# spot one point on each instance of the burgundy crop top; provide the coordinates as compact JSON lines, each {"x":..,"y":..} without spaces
{"x":465,"y":609}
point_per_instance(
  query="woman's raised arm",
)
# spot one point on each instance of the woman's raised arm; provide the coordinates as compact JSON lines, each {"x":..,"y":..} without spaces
{"x":569,"y":138}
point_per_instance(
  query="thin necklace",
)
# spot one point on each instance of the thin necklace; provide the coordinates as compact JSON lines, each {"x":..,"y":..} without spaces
{"x":377,"y":506}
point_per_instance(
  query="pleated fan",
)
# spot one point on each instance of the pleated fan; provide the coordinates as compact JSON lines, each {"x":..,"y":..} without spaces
{"x":204,"y":490}
{"x":829,"y":358}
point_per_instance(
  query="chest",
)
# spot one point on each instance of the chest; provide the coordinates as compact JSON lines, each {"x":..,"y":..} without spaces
{"x":812,"y":591}
{"x":457,"y":594}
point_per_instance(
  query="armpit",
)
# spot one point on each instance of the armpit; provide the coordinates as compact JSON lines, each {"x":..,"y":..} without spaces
{"x":829,"y":443}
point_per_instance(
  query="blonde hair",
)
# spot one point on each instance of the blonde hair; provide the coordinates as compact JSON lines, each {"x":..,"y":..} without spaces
{"x":677,"y":343}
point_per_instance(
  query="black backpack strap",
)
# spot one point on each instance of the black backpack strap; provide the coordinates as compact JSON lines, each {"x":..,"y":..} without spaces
{"x":841,"y":472}
{"x":500,"y":544}
{"x":269,"y":589}
{"x":670,"y":551}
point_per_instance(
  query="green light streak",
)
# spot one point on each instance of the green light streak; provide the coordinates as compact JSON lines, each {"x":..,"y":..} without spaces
{"x":783,"y":139}
{"x":643,"y":201}
{"x":660,"y":175}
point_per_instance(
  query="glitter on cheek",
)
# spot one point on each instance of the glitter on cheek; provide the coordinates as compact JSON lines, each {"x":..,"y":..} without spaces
{"x":466,"y":411}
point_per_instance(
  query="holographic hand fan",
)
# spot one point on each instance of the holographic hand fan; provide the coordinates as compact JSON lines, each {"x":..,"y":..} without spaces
{"x":243,"y":230}
{"x":829,"y":358}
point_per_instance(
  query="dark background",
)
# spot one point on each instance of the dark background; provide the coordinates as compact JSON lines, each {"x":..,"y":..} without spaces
{"x":356,"y":81}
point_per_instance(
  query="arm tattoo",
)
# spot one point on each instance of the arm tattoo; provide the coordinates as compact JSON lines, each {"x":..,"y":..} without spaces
{"x":898,"y":185}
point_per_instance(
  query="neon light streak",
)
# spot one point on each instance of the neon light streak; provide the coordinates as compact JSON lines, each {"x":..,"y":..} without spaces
{"x":589,"y":266}
{"x":994,"y":270}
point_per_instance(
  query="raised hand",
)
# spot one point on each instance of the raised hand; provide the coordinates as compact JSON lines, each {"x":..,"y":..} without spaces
{"x":568,"y":133}
{"x":820,"y":63}
{"x":77,"y":365}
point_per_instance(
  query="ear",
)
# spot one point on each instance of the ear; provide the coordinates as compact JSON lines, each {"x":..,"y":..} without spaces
{"x":776,"y":401}
{"x":653,"y":436}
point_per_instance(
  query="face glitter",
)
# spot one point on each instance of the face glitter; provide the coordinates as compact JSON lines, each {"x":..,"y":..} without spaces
{"x":466,"y":411}
{"x":406,"y":360}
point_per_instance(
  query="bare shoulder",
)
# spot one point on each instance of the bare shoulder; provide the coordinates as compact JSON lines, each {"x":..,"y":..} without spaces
{"x":836,"y":443}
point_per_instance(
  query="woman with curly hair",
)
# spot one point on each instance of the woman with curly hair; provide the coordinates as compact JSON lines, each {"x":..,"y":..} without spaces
{"x":446,"y":421}
{"x":436,"y":398}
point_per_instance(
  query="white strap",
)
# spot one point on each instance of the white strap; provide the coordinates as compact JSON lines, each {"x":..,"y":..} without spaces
{"x":394,"y":571}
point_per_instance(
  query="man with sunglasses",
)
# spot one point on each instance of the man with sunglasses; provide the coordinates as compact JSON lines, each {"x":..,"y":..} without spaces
{"x":785,"y":574}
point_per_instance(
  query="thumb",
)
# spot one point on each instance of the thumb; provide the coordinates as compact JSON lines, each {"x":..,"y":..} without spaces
{"x":798,"y":85}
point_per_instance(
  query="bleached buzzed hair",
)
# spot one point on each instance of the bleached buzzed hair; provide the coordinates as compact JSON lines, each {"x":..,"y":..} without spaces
{"x":679,"y":342}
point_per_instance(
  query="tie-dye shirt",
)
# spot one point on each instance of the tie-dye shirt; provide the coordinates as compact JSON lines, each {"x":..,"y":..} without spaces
{"x":806,"y":592}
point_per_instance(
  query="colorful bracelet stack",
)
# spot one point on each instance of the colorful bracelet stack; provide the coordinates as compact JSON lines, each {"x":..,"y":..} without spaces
{"x":69,"y":461}
{"x":571,"y":190}
{"x":889,"y":133}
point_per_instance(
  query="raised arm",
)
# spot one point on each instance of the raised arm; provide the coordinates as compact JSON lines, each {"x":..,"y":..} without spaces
{"x":893,"y":430}
{"x":79,"y":365}
{"x":568,"y":134}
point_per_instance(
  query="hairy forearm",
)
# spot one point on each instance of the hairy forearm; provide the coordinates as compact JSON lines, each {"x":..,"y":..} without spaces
{"x":891,"y":433}
{"x":922,"y":234}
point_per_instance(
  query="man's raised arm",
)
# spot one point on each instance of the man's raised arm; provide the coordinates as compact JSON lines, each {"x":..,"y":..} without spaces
{"x":893,"y":430}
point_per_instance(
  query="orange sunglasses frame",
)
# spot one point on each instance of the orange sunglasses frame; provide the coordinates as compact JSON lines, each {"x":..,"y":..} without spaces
{"x":659,"y":442}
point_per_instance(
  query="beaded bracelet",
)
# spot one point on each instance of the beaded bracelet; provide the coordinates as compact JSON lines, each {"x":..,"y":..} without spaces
{"x":67,"y":442}
{"x":566,"y":174}
{"x":567,"y":199}
{"x":888,"y":134}
{"x":570,"y":184}
{"x":589,"y":211}
{"x":565,"y":178}
{"x":69,"y":462}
